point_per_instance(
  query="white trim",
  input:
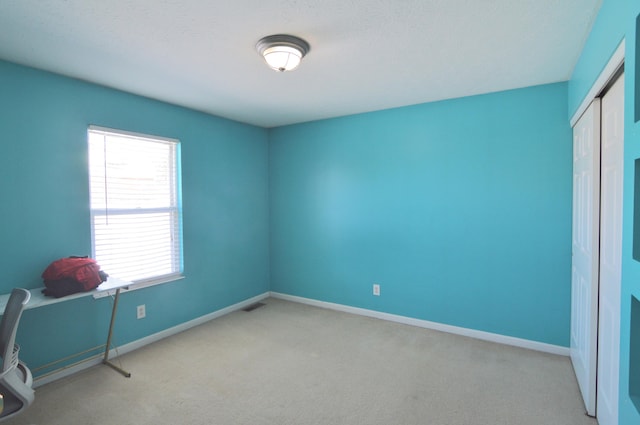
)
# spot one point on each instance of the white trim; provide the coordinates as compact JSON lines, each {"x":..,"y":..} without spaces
{"x":134,"y":286}
{"x":116,"y":132}
{"x":486,"y":336}
{"x":472,"y":333}
{"x":113,"y":353}
{"x":616,"y":60}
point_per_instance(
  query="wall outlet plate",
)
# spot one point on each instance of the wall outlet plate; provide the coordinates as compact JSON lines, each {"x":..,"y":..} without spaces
{"x":141,"y":312}
{"x":376,"y":289}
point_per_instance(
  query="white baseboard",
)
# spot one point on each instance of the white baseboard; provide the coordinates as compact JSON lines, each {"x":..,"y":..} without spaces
{"x":96,"y":360}
{"x":486,"y":336}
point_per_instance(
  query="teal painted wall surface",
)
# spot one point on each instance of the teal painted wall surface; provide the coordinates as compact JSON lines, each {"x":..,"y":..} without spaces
{"x":606,"y":34}
{"x":617,"y":20}
{"x":45,"y":207}
{"x":460,"y":210}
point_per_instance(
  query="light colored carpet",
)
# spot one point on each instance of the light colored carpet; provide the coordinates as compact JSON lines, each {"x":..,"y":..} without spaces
{"x":287,"y":363}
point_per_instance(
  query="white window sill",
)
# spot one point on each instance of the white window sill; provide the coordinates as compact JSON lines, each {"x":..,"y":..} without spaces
{"x":139,"y":285}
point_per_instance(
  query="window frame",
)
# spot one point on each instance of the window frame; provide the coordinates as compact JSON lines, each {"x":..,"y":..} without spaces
{"x":176,"y":180}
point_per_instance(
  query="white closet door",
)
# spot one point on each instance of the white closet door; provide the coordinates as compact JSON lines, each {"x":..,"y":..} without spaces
{"x":611,"y":164}
{"x":585,"y":249}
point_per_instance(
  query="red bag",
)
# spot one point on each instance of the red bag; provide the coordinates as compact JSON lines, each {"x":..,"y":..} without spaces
{"x":73,"y":274}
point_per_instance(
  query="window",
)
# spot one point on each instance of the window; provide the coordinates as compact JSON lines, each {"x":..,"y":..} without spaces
{"x":135,"y":205}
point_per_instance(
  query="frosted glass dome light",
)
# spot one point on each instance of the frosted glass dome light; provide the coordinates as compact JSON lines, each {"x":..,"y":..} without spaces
{"x":282,"y":52}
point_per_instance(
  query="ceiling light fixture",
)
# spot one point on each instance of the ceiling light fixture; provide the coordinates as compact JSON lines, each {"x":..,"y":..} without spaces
{"x":282,"y":52}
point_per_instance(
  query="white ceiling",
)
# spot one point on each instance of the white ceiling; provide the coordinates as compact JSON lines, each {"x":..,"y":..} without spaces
{"x":365,"y":54}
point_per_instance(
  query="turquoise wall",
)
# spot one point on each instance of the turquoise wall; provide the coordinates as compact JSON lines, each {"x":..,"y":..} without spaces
{"x":45,"y":201}
{"x":617,"y":20}
{"x":460,"y":210}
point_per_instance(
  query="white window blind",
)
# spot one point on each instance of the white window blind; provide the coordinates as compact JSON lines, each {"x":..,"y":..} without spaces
{"x":135,"y":205}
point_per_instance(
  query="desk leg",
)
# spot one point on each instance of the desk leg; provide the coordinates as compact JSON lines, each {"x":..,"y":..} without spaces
{"x":106,"y":350}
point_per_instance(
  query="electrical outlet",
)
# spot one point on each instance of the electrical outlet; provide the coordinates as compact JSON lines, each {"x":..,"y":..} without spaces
{"x":142,"y":312}
{"x":376,"y":289}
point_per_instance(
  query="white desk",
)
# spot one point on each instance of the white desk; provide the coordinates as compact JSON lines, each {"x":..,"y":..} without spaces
{"x":111,"y":286}
{"x":38,"y":299}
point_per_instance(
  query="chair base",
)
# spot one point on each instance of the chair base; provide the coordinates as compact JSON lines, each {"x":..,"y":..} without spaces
{"x":12,"y":405}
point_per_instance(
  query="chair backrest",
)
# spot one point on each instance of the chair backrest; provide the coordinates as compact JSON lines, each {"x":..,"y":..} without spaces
{"x":9,"y":325}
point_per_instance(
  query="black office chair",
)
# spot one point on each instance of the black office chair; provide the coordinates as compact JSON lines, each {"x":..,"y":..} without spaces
{"x":16,"y":380}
